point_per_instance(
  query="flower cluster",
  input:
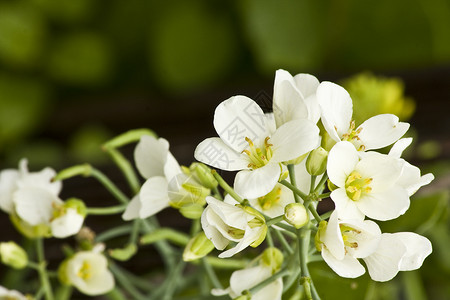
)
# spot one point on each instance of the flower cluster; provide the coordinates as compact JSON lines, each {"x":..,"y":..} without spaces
{"x":307,"y":149}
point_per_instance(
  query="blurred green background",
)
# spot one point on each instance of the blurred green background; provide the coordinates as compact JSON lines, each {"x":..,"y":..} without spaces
{"x":74,"y":73}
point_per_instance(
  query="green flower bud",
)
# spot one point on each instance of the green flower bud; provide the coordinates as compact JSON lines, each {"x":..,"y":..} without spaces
{"x":316,"y":163}
{"x":13,"y":255}
{"x":62,"y":273}
{"x":32,"y":232}
{"x":331,"y":186}
{"x":320,"y":232}
{"x":272,"y":257}
{"x":123,"y":254}
{"x":203,"y":174}
{"x":297,"y":160}
{"x":296,"y":215}
{"x":197,"y":247}
{"x":191,"y":211}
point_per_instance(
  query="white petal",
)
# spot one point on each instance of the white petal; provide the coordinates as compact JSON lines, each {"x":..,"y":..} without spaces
{"x":8,"y":180}
{"x":68,"y":224}
{"x":288,"y":102}
{"x":237,"y":118}
{"x":150,"y":156}
{"x":399,"y":146}
{"x":411,"y":180}
{"x":133,"y":209}
{"x":332,"y":237}
{"x":34,"y":205}
{"x":381,"y":131}
{"x":258,"y":182}
{"x":348,"y":267}
{"x":251,"y":235}
{"x":384,"y":264}
{"x":417,"y":249}
{"x":294,"y":139}
{"x":41,"y":179}
{"x":313,"y":108}
{"x":342,"y":160}
{"x":171,"y":167}
{"x":270,"y":119}
{"x":214,"y":152}
{"x":307,"y":84}
{"x":154,"y":196}
{"x":386,"y":205}
{"x":247,"y":278}
{"x":345,"y":207}
{"x":383,"y":169}
{"x":337,"y":109}
{"x":231,"y":215}
{"x":211,"y":232}
{"x":367,"y":238}
{"x":272,"y":291}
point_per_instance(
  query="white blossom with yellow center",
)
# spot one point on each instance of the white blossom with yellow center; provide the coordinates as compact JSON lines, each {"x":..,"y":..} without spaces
{"x":88,"y":272}
{"x":248,"y":143}
{"x":368,"y":185}
{"x":336,"y":115}
{"x":342,"y":242}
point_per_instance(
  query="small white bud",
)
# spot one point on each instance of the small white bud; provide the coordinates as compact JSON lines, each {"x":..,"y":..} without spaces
{"x":296,"y":214}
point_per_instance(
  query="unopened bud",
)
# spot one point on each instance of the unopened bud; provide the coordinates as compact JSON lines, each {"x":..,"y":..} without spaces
{"x":296,"y":214}
{"x":203,"y":174}
{"x":13,"y":255}
{"x":316,"y":163}
{"x":191,"y":211}
{"x":198,"y":247}
{"x":331,"y":186}
{"x":123,"y":254}
{"x":272,"y":257}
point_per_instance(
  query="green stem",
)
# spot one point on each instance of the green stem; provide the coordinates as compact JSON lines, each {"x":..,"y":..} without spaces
{"x":211,"y":274}
{"x":165,"y":250}
{"x":106,"y":210}
{"x":269,"y":237}
{"x":326,"y":215}
{"x":314,"y":212}
{"x":294,"y":189}
{"x":226,"y":187}
{"x":313,"y":182}
{"x":269,"y":280}
{"x":135,"y":231}
{"x":128,"y":137}
{"x":113,"y":232}
{"x":126,"y":168}
{"x":284,"y":242}
{"x":226,"y":263}
{"x":324,"y":195}
{"x":304,"y":236}
{"x":109,"y":185}
{"x":172,"y":235}
{"x":275,"y":220}
{"x":64,"y":292}
{"x":171,"y":281}
{"x":45,"y":282}
{"x":125,"y":283}
{"x":321,"y":183}
{"x":291,"y":170}
{"x":115,"y":294}
{"x":87,"y":170}
{"x":217,"y":193}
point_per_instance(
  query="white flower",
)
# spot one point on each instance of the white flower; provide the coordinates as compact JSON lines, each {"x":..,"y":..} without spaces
{"x":245,"y":279}
{"x":295,"y":97}
{"x":366,"y":186}
{"x":33,"y":197}
{"x":11,"y":294}
{"x":337,"y":109}
{"x":274,"y":202}
{"x":342,"y":242}
{"x":410,"y":178}
{"x":268,"y":263}
{"x":402,"y":251}
{"x":88,"y":272}
{"x":223,"y":222}
{"x":12,"y":180}
{"x":247,"y":144}
{"x":155,"y":163}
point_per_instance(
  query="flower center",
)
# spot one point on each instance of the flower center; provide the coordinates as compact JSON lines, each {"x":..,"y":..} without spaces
{"x":266,"y":202}
{"x":258,"y":157}
{"x":352,"y":136}
{"x":348,"y":235}
{"x":85,"y":271}
{"x":356,"y":186}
